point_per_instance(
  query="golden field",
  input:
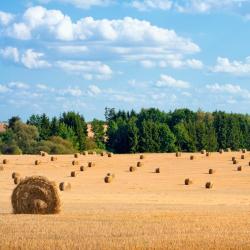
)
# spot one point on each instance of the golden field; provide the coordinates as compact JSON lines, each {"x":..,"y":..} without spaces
{"x":137,"y":210}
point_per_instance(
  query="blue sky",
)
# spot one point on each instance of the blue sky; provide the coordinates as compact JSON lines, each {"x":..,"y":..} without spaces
{"x":85,"y":55}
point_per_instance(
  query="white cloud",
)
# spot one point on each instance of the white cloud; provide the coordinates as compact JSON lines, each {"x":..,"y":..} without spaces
{"x":148,"y":64}
{"x":5,"y":18}
{"x":18,"y":85}
{"x":152,"y":4}
{"x":32,"y":60}
{"x":10,"y":53}
{"x":168,"y":81}
{"x":224,"y":65}
{"x":87,"y":69}
{"x":94,"y":90}
{"x":19,"y":31}
{"x":3,"y":89}
{"x":73,"y":91}
{"x":72,"y":49}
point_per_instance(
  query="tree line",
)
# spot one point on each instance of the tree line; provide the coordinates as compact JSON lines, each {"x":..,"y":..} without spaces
{"x":149,"y":130}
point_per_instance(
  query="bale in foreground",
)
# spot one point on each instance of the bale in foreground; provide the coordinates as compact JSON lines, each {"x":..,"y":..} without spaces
{"x":35,"y":195}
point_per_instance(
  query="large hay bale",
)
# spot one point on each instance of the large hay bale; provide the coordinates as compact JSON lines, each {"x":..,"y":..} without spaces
{"x":178,"y":154}
{"x":37,"y":162}
{"x":211,"y":171}
{"x":82,"y":168}
{"x":5,"y":161}
{"x":142,"y":157}
{"x":1,"y":168}
{"x":75,"y":162}
{"x":239,"y":168}
{"x":209,"y":185}
{"x":139,"y":164}
{"x":188,"y":182}
{"x":91,"y":164}
{"x":132,"y":169}
{"x":157,"y":170}
{"x":110,"y":154}
{"x":108,"y":179}
{"x":73,"y":174}
{"x":65,"y":186}
{"x":242,"y":157}
{"x":233,"y":158}
{"x":191,"y":157}
{"x":53,"y":158}
{"x":35,"y":195}
{"x":76,"y":155}
{"x":235,"y":162}
{"x":14,"y":175}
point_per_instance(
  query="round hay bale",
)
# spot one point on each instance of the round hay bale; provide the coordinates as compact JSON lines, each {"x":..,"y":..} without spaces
{"x":14,"y":175}
{"x":102,"y":153}
{"x":43,"y":154}
{"x":17,"y":180}
{"x":208,"y":154}
{"x":76,"y":155}
{"x":178,"y":154}
{"x":110,"y":154}
{"x":249,"y":163}
{"x":233,"y":158}
{"x":188,"y":182}
{"x":244,"y":151}
{"x":75,"y":163}
{"x":91,"y":152}
{"x":191,"y":157}
{"x":85,"y":153}
{"x":108,"y":179}
{"x":132,"y":169}
{"x":139,"y":164}
{"x":239,"y":168}
{"x":65,"y":186}
{"x":157,"y":170}
{"x":37,"y":162}
{"x":221,"y":151}
{"x":208,"y":185}
{"x":235,"y":162}
{"x":73,"y":174}
{"x":211,"y":171}
{"x":228,"y":149}
{"x":203,"y":151}
{"x":242,"y":157}
{"x":35,"y":195}
{"x":108,"y":174}
{"x":53,"y":158}
{"x":5,"y":161}
{"x":142,"y":157}
{"x":82,"y":168}
{"x":91,"y":164}
{"x":1,"y":168}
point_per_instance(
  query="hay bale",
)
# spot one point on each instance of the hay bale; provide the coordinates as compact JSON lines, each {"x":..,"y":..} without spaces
{"x":43,"y":154}
{"x":233,"y":158}
{"x":242,"y":157}
{"x":91,"y":152}
{"x":211,"y":171}
{"x":37,"y":162}
{"x":82,"y":168}
{"x":239,"y":168}
{"x":76,"y":155}
{"x":14,"y":175}
{"x":102,"y":153}
{"x":235,"y":162}
{"x":108,"y":179}
{"x":178,"y":154}
{"x":53,"y":158}
{"x":142,"y":157}
{"x":188,"y":182}
{"x":208,"y":154}
{"x":73,"y":174}
{"x":221,"y":151}
{"x":191,"y":157}
{"x":110,"y":154}
{"x":132,"y":169}
{"x":85,"y":153}
{"x":35,"y":195}
{"x":208,"y":185}
{"x":139,"y":164}
{"x":249,"y":163}
{"x":1,"y":168}
{"x":65,"y":186}
{"x":5,"y":161}
{"x":91,"y":164}
{"x":75,"y":162}
{"x":203,"y":151}
{"x":17,"y":180}
{"x":228,"y":149}
{"x":157,"y":170}
{"x":244,"y":151}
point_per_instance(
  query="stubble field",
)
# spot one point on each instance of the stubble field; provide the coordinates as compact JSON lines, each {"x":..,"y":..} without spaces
{"x":137,"y":210}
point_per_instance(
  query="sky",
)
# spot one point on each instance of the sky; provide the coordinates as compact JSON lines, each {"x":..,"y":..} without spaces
{"x":85,"y":55}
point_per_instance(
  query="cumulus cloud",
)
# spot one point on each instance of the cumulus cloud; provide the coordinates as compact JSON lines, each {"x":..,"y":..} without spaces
{"x":169,"y":81}
{"x":18,"y":85}
{"x":146,"y":5}
{"x":33,"y":60}
{"x":5,"y":18}
{"x":10,"y":53}
{"x":3,"y":89}
{"x":235,"y":67}
{"x":94,"y":90}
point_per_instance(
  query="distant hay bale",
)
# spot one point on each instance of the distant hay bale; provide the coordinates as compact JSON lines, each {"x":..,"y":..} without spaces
{"x":228,"y":149}
{"x":208,"y":154}
{"x":235,"y":162}
{"x":239,"y":168}
{"x":53,"y":158}
{"x":35,"y":195}
{"x":142,"y":157}
{"x":73,"y":174}
{"x":242,"y":157}
{"x":1,"y":168}
{"x":65,"y":186}
{"x":82,"y":168}
{"x":85,"y":153}
{"x":244,"y":151}
{"x":221,"y":151}
{"x":17,"y":180}
{"x":5,"y":161}
{"x":14,"y":175}
{"x":191,"y":157}
{"x":42,"y":153}
{"x":76,"y":155}
{"x":139,"y":164}
{"x":188,"y":182}
{"x":203,"y":151}
{"x":74,"y":163}
{"x":208,"y":185}
{"x":108,"y":179}
{"x":132,"y":169}
{"x":157,"y":170}
{"x":233,"y":158}
{"x":178,"y":154}
{"x":110,"y":154}
{"x":211,"y":171}
{"x":91,"y":152}
{"x":102,"y":153}
{"x":37,"y":162}
{"x":91,"y":164}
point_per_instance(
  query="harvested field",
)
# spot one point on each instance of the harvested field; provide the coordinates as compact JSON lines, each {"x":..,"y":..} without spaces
{"x":142,"y":210}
